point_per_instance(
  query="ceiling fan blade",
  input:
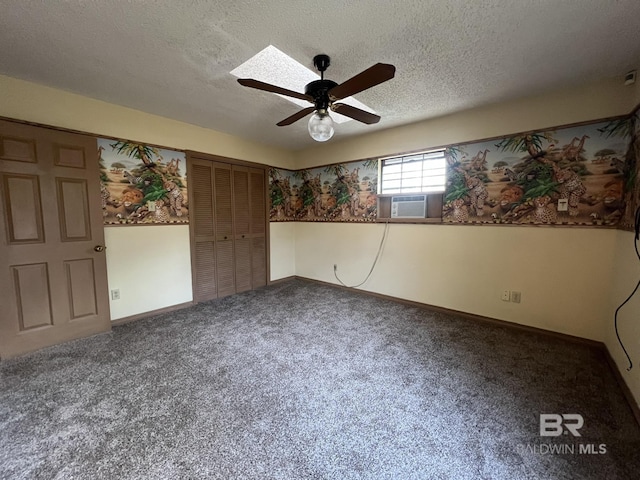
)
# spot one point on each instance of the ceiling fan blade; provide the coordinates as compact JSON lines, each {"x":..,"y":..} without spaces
{"x":296,"y":116}
{"x":267,"y":87}
{"x":372,"y":76}
{"x":355,"y":113}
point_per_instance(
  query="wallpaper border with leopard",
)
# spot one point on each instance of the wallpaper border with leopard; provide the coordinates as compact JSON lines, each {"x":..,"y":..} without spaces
{"x":141,"y":184}
{"x":582,"y":175}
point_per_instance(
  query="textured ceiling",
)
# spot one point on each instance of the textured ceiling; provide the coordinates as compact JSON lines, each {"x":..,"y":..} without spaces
{"x":173,"y":58}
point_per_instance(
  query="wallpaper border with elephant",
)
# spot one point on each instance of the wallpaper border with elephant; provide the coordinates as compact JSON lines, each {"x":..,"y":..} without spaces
{"x":576,"y":175}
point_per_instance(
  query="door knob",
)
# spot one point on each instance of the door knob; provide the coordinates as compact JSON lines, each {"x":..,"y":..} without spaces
{"x":99,"y":248}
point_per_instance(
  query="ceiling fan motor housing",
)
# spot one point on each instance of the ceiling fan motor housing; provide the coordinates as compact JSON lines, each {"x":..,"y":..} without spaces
{"x":319,"y":89}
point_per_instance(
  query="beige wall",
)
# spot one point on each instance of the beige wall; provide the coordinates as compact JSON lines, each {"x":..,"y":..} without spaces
{"x":282,"y":237}
{"x":150,"y":265}
{"x":35,"y":103}
{"x":590,"y":102}
{"x":626,"y":274}
{"x":562,"y":273}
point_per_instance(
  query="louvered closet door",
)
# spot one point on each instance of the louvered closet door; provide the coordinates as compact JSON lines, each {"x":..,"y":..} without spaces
{"x":241,"y":226}
{"x":204,"y":263}
{"x":258,"y":205}
{"x":223,"y":222}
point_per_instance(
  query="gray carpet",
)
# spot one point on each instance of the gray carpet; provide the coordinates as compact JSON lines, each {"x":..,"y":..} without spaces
{"x":300,"y":380}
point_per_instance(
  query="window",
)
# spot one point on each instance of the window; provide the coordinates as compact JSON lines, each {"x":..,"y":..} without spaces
{"x":423,"y":172}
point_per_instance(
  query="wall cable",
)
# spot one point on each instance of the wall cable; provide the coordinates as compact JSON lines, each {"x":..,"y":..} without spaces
{"x":375,"y":261}
{"x":615,"y":316}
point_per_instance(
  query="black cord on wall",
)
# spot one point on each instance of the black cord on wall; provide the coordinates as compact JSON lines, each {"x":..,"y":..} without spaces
{"x":615,"y":317}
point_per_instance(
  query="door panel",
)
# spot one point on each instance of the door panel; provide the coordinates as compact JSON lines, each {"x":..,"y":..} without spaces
{"x":31,"y":284}
{"x":258,"y":202}
{"x":202,"y":227}
{"x":243,"y":264}
{"x":242,"y":228}
{"x":50,"y":275}
{"x":23,"y":210}
{"x":223,"y":201}
{"x":81,"y":288}
{"x":69,"y":156}
{"x":258,"y":263}
{"x":205,"y":271}
{"x":225,"y":268}
{"x":241,"y":213}
{"x":73,"y":206}
{"x":258,"y":227}
{"x":17,"y":149}
{"x":201,"y":182}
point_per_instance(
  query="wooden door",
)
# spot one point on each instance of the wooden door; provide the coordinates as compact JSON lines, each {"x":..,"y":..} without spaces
{"x":242,"y":228}
{"x":53,"y":282}
{"x":223,"y":221}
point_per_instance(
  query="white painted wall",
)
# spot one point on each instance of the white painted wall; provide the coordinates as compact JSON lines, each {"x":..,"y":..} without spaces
{"x":626,"y":274}
{"x":150,"y":265}
{"x":282,"y":249}
{"x":562,"y":273}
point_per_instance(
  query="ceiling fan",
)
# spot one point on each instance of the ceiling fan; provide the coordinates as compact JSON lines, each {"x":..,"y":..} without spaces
{"x":323,"y":93}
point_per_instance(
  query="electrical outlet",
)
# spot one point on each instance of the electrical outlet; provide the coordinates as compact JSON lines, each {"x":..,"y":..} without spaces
{"x":563,"y":205}
{"x":506,"y":295}
{"x":151,"y":206}
{"x":515,"y":297}
{"x":115,"y":294}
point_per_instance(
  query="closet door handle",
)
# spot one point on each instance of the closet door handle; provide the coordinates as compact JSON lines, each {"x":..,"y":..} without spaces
{"x":242,"y":236}
{"x":225,"y":238}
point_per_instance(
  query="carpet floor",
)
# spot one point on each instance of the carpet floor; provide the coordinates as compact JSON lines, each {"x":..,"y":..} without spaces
{"x":305,"y":381}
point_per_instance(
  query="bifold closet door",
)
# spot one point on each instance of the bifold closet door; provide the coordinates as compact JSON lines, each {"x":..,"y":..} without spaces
{"x":204,"y":252}
{"x":241,"y":227}
{"x":223,"y":221}
{"x":258,"y":226}
{"x":229,"y":228}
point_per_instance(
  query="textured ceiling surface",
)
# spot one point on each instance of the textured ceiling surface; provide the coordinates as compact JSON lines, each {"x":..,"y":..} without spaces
{"x":173,"y":58}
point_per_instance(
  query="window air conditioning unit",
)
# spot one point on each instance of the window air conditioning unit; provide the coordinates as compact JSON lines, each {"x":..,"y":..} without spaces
{"x":409,"y":206}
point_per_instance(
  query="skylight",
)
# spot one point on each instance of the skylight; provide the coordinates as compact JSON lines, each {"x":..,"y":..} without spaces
{"x":273,"y":66}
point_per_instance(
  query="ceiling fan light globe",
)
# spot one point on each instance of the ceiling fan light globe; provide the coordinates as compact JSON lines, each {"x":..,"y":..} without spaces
{"x":321,"y":126}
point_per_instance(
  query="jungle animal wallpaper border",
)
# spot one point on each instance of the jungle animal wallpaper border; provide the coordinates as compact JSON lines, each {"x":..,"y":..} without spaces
{"x":562,"y":176}
{"x":632,"y":183}
{"x":344,"y":192}
{"x":581,"y":175}
{"x":139,"y":186}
